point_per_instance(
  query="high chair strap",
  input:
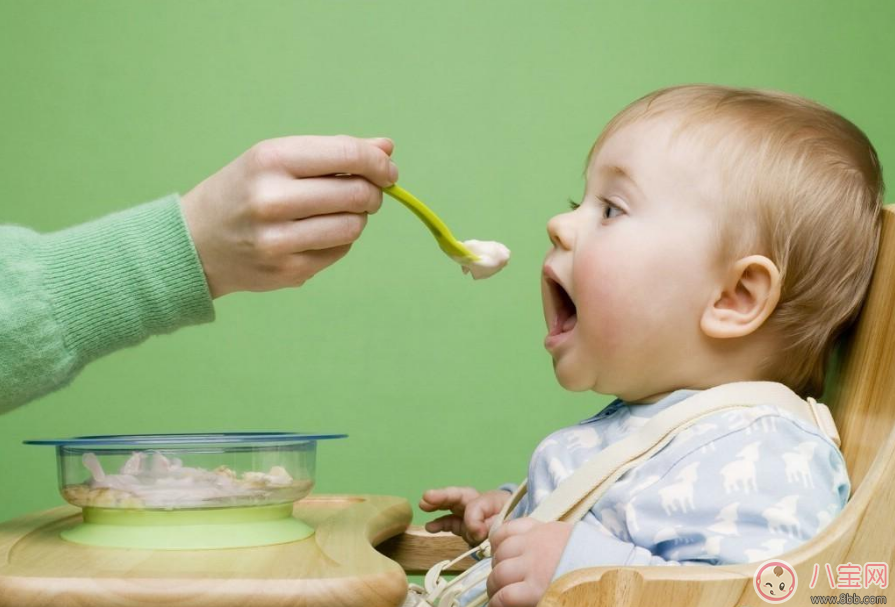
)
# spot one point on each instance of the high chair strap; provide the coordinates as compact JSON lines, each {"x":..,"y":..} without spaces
{"x":824,"y":420}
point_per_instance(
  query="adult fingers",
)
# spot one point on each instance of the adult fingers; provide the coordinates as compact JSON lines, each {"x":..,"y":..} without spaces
{"x":285,"y":199}
{"x":383,"y":143}
{"x":312,"y":233}
{"x":313,"y":156}
{"x":302,"y":267}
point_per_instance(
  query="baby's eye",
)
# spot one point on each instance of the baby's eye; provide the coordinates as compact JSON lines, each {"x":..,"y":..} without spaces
{"x":573,"y":205}
{"x":607,"y":209}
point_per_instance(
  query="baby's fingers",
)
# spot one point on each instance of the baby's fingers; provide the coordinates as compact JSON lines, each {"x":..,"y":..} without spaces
{"x":489,"y":522}
{"x":474,"y":519}
{"x":448,"y":498}
{"x":448,"y":522}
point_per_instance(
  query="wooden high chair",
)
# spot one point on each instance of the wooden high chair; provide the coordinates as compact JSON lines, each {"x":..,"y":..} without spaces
{"x":863,"y":408}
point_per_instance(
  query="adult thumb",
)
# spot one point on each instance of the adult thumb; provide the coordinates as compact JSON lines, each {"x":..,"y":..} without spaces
{"x":383,"y":143}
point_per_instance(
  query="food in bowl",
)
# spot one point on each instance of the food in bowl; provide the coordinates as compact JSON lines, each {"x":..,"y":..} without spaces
{"x":186,"y":471}
{"x":149,"y":479}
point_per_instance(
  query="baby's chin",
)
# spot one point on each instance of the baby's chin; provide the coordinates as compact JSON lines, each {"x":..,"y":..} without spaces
{"x":573,"y":380}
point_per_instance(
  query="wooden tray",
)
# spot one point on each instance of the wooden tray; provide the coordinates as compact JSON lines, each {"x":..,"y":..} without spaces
{"x":336,"y":566}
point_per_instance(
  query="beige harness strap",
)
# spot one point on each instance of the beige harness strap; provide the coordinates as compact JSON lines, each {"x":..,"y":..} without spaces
{"x":823,"y":418}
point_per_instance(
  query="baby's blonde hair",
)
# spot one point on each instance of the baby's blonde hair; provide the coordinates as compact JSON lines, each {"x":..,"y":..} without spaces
{"x":801,"y":185}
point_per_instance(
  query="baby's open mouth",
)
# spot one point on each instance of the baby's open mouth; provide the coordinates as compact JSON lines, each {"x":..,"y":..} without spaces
{"x":562,"y":314}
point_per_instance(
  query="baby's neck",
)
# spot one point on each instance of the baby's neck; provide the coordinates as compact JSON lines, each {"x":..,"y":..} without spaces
{"x":711,"y":363}
{"x":648,"y":400}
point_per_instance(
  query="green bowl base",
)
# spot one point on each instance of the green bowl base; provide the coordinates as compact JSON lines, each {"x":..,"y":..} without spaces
{"x":208,"y":529}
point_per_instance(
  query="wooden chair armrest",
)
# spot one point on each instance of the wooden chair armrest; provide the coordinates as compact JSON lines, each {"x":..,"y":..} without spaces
{"x":615,"y":586}
{"x":417,"y":550}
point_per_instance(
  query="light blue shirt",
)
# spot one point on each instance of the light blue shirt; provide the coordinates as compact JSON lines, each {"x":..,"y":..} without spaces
{"x":739,"y":486}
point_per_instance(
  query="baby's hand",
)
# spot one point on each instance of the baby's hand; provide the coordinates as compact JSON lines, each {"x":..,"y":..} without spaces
{"x":286,"y":209}
{"x":525,"y":553}
{"x":471,"y":512}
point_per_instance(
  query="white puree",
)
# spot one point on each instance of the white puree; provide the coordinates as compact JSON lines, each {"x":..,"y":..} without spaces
{"x":493,"y":256}
{"x":151,"y":480}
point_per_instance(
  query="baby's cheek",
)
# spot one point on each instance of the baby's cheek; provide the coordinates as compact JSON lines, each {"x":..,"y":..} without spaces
{"x":605,"y":306}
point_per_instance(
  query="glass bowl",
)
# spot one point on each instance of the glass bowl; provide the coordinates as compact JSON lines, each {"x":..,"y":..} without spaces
{"x":142,"y":481}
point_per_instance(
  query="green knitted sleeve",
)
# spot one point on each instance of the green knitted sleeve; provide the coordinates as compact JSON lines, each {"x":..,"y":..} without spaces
{"x":69,"y":297}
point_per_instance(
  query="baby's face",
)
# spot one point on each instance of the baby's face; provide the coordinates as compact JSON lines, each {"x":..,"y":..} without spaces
{"x":632,"y":268}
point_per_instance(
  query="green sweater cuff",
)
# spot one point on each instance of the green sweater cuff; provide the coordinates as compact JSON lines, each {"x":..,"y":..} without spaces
{"x":115,"y":281}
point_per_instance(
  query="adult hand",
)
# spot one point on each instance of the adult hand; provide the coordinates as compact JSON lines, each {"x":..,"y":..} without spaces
{"x":286,"y":209}
{"x":524,"y":556}
{"x":471,"y":512}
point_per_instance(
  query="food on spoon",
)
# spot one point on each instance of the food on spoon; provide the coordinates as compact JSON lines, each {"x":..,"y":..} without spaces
{"x":493,"y":256}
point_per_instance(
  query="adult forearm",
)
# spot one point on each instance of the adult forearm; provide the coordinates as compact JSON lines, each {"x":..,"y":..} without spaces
{"x":72,"y":296}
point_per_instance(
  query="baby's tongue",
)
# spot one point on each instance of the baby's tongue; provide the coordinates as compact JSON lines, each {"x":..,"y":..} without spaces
{"x":570,"y":323}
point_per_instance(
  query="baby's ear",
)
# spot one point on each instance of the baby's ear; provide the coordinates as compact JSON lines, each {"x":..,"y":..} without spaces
{"x":748,"y":295}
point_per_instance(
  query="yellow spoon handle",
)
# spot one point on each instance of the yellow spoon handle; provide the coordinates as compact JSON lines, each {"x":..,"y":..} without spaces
{"x":443,"y":236}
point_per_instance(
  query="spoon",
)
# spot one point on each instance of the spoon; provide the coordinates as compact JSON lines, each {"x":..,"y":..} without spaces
{"x":455,"y":249}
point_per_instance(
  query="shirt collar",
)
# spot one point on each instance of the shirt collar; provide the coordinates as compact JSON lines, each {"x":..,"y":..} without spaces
{"x":642,"y":409}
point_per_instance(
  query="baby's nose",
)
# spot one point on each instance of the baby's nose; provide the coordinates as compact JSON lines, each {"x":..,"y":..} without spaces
{"x":560,"y":231}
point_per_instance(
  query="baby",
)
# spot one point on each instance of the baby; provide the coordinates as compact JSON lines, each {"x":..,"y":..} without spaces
{"x":724,"y":235}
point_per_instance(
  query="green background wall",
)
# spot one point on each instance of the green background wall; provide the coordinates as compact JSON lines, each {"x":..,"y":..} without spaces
{"x":493,"y":106}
